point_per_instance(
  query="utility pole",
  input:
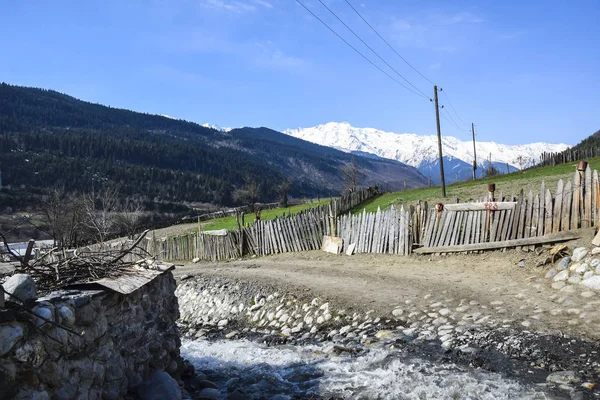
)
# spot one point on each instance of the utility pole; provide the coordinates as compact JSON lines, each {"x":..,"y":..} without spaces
{"x":439,"y":135}
{"x":474,"y":153}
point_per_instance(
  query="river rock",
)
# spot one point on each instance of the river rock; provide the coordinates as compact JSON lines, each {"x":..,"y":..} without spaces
{"x":561,"y":276}
{"x":159,"y":386}
{"x":579,"y":254}
{"x":550,"y":274}
{"x":576,"y":278}
{"x":21,"y":286}
{"x":582,"y":268}
{"x":564,"y":263}
{"x":558,"y":285}
{"x":208,"y":394}
{"x":397,"y":312}
{"x":595,"y":262}
{"x":9,"y":336}
{"x":563,"y":377}
{"x":592,"y":283}
{"x":588,"y":274}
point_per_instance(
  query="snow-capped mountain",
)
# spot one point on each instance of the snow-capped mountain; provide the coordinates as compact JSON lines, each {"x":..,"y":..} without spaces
{"x":421,"y":151}
{"x":216,"y":127}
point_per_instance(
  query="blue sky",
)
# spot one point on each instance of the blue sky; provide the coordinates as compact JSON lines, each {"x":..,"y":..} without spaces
{"x":523,"y":71}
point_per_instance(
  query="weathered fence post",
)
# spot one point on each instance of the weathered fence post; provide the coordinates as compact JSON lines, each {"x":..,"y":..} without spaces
{"x":28,"y":252}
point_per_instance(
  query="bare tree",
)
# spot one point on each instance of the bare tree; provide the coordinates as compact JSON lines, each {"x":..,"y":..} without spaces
{"x":129,"y":217}
{"x":351,"y":176}
{"x":64,"y":215}
{"x":284,"y":188}
{"x":100,"y":214}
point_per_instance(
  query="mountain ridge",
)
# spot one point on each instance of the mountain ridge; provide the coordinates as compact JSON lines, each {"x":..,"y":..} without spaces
{"x":420,"y":151}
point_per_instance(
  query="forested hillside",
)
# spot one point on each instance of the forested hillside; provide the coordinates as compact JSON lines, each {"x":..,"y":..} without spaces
{"x":587,"y":148}
{"x":49,"y":139}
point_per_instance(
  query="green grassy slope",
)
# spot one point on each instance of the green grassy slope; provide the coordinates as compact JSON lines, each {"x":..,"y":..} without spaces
{"x":529,"y":179}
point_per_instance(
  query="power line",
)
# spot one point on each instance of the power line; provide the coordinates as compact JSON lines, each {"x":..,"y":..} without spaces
{"x":370,"y":48}
{"x":453,"y":121}
{"x":453,"y":109}
{"x":450,"y":121}
{"x":389,"y":45}
{"x":357,"y":51}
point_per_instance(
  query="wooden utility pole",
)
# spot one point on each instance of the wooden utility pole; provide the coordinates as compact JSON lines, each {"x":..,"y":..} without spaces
{"x":439,"y":135}
{"x":474,"y":153}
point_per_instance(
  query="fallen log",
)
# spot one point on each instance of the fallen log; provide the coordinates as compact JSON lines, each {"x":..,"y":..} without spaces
{"x":550,"y":238}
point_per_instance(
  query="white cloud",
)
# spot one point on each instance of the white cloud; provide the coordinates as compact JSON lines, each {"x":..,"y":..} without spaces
{"x":238,"y":7}
{"x":439,"y":31}
{"x":269,"y":56}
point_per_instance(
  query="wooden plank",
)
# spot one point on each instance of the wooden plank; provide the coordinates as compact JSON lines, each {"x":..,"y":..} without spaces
{"x":433,"y":222}
{"x":587,"y":202}
{"x":452,"y":220}
{"x":478,"y":234}
{"x":596,"y":199}
{"x":575,"y":206}
{"x":556,"y":219}
{"x":505,"y":233}
{"x":535,"y":218}
{"x":541,"y":213}
{"x":407,"y":231}
{"x":488,"y":205}
{"x":495,"y":222}
{"x":550,"y":238}
{"x":442,"y":234}
{"x":468,"y":227}
{"x":566,"y":207}
{"x":516,"y":225}
{"x":456,"y":231}
{"x":548,"y":212}
{"x":528,"y":215}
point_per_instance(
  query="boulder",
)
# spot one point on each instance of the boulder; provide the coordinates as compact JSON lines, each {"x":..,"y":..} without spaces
{"x":21,"y":286}
{"x":159,"y":386}
{"x":579,"y":254}
{"x":9,"y":336}
{"x":208,"y":394}
{"x":563,"y":377}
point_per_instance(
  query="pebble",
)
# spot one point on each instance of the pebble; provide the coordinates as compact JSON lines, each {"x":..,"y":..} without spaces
{"x":397,"y":312}
{"x":561,"y":276}
{"x":564,"y":263}
{"x":579,"y":254}
{"x":550,"y":274}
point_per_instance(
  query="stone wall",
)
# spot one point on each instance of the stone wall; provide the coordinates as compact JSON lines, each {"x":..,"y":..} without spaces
{"x":113,"y":343}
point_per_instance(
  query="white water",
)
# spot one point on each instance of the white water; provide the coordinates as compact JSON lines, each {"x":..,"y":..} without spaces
{"x":285,"y":372}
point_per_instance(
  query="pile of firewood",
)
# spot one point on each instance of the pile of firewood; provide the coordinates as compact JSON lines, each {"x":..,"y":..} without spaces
{"x":83,"y":267}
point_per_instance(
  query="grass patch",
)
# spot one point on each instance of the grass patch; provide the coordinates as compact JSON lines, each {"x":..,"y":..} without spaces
{"x":230,"y":223}
{"x":529,"y":179}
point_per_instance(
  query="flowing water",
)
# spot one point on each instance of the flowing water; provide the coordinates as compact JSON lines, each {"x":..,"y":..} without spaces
{"x":309,"y":371}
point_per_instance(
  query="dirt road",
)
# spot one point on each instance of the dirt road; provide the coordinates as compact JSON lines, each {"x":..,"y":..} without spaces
{"x":487,"y":289}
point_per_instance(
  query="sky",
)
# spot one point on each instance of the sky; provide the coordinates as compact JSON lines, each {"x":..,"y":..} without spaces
{"x":522,"y":71}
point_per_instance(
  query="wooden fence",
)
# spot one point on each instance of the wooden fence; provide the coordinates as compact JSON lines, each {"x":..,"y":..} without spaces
{"x":569,"y":155}
{"x":512,"y":221}
{"x":522,"y":220}
{"x":574,"y":205}
{"x":388,"y":231}
{"x":300,"y":232}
